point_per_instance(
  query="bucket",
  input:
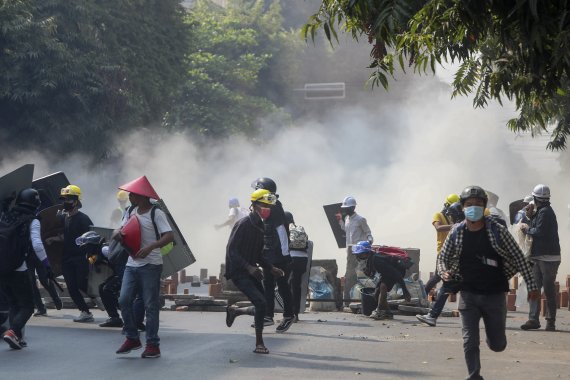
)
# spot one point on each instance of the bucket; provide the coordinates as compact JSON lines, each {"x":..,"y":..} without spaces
{"x":368,"y":301}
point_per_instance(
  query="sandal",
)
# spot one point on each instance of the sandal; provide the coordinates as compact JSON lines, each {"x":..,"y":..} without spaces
{"x":261,"y":350}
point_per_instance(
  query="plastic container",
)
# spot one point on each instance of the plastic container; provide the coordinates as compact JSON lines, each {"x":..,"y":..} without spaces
{"x":368,"y":301}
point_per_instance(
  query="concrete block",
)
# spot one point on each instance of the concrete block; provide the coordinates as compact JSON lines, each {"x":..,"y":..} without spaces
{"x":511,"y":301}
{"x":515,"y":282}
{"x":214,"y":290}
{"x":213,"y":280}
{"x":564,"y":298}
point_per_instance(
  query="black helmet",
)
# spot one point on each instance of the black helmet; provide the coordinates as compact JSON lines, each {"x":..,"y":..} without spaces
{"x":89,"y":238}
{"x":473,"y":192}
{"x":29,"y":198}
{"x":289,"y":218}
{"x":265,"y":183}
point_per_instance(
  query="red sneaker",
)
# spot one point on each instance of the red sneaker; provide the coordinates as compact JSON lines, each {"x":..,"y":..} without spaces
{"x":151,"y":351}
{"x":12,"y":339}
{"x":130,"y":345}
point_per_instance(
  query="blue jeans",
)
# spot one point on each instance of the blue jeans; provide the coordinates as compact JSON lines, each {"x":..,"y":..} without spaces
{"x":439,"y":303}
{"x":145,"y":279}
{"x":544,"y":273}
{"x":493,"y":309}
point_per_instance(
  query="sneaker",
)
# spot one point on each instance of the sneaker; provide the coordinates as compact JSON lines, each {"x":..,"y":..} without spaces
{"x":129,"y":345}
{"x":427,"y":319}
{"x":58,"y":303}
{"x":230,"y":315}
{"x":296,"y":318}
{"x":550,"y":326}
{"x":531,"y":324}
{"x":23,"y":343}
{"x":151,"y":351}
{"x":112,"y":322}
{"x":41,"y":313}
{"x":84,"y":317}
{"x":284,"y":325}
{"x":12,"y":339}
{"x":381,"y":315}
{"x":267,"y":321}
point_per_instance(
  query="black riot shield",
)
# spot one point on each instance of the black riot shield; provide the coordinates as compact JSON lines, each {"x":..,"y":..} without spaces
{"x":332,"y":212}
{"x":515,"y":207}
{"x":52,"y":225}
{"x":49,"y":188}
{"x":15,"y":181}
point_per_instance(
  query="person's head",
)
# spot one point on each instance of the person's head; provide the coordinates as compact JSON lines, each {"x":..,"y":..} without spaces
{"x":71,"y":197}
{"x":90,"y":243}
{"x":139,"y":200}
{"x":233,"y":203}
{"x":265,"y":183}
{"x":528,"y":199}
{"x":473,"y":200}
{"x":289,"y":218}
{"x":262,"y":200}
{"x":450,"y":199}
{"x":28,"y":199}
{"x":122,"y":198}
{"x":348,"y":205}
{"x":456,"y":211}
{"x":362,"y":250}
{"x":541,"y":194}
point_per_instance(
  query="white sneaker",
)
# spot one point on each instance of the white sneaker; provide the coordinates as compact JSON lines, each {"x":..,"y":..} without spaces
{"x":427,"y":319}
{"x":84,"y":317}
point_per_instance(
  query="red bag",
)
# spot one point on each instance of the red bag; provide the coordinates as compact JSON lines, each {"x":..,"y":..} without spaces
{"x":131,"y":233}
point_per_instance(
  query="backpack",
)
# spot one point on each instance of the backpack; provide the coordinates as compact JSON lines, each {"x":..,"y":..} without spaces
{"x":298,"y":238}
{"x":14,"y":242}
{"x":397,"y":256}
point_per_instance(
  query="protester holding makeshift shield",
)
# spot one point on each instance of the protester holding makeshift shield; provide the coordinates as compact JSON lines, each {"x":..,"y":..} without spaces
{"x":21,"y":236}
{"x":144,"y":233}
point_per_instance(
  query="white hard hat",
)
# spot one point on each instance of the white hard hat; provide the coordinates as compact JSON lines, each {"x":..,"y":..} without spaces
{"x":528,"y":199}
{"x":233,"y":202}
{"x":348,"y":202}
{"x":541,"y":191}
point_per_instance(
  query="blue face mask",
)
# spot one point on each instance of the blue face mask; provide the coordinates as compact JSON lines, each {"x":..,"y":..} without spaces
{"x":474,"y":213}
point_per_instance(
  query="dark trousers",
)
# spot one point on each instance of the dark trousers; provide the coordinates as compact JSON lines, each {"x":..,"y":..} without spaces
{"x":17,"y":289}
{"x":34,"y":268}
{"x":544,"y":273}
{"x":253,"y":290}
{"x":493,"y":309}
{"x":109,"y":292}
{"x":75,"y":271}
{"x":283,"y":288}
{"x":432,"y":282}
{"x":298,"y":269}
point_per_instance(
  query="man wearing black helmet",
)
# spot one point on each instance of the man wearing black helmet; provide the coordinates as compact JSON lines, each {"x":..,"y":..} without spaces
{"x":276,"y":251}
{"x":484,"y":253}
{"x":15,"y":282}
{"x":545,"y":254}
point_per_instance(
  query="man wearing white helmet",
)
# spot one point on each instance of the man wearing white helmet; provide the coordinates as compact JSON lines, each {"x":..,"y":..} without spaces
{"x":356,"y":229}
{"x":545,"y":254}
{"x":236,"y":213}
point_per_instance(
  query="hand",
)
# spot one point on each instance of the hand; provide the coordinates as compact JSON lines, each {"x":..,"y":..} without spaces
{"x":255,"y":272}
{"x":446,"y":276}
{"x":276,"y":272}
{"x":144,"y":252}
{"x":533,"y":295}
{"x":524,"y":227}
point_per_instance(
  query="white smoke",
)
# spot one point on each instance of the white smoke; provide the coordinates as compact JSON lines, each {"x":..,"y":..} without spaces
{"x":399,"y":157}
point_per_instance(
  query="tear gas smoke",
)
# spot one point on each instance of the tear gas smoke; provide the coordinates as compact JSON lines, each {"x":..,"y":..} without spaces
{"x":398,"y":158}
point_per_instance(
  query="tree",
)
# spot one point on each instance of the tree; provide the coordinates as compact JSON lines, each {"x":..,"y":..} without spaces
{"x":233,"y":69}
{"x":514,"y":49}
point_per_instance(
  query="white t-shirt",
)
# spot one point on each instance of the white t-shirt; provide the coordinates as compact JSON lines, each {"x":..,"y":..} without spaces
{"x":236,"y":213}
{"x":148,"y":235}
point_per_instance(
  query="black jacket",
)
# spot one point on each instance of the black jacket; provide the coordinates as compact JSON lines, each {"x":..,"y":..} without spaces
{"x":544,"y":232}
{"x":245,"y":246}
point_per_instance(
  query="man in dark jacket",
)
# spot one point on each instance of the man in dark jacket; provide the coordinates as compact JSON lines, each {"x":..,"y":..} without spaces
{"x":244,"y":253}
{"x":545,"y":254}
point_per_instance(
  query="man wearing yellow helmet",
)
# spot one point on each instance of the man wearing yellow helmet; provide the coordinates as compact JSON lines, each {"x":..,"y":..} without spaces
{"x":75,"y":266}
{"x":117,"y":214}
{"x":244,"y":260}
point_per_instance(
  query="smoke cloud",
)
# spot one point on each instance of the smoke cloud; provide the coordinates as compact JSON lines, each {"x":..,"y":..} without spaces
{"x":399,"y":156}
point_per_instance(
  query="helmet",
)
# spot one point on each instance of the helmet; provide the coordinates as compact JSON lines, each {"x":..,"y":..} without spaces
{"x":264,"y":183}
{"x":472,"y":192}
{"x":451,"y":199}
{"x":289,"y":218}
{"x":70,"y":191}
{"x":361,"y":247}
{"x":89,"y":238}
{"x":28,"y":198}
{"x":263,"y":196}
{"x":348,"y":202}
{"x":122,"y":196}
{"x":528,"y":199}
{"x":233,"y":202}
{"x":541,"y":191}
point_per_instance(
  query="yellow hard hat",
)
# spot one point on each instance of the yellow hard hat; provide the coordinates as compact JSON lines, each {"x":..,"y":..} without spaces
{"x":263,"y":196}
{"x":71,"y":190}
{"x":122,"y":196}
{"x":452,"y":198}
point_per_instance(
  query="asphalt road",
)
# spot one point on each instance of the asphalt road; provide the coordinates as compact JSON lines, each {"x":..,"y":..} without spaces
{"x":332,"y":345}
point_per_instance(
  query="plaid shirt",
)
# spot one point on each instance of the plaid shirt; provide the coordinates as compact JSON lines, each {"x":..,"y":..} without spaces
{"x":513,"y":258}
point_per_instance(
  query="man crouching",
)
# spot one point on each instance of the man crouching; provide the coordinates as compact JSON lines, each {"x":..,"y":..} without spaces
{"x":244,"y":253}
